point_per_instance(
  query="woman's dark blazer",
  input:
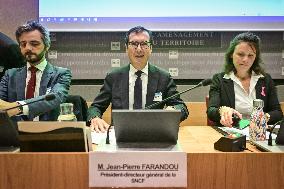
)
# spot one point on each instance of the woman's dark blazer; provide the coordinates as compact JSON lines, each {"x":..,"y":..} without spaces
{"x":222,"y":94}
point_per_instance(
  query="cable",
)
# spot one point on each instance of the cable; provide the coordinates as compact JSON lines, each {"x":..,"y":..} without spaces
{"x":107,"y":137}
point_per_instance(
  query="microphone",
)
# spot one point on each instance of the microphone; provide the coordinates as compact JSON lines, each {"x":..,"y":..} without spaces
{"x":270,"y":132}
{"x":47,"y":97}
{"x":204,"y":82}
{"x":107,"y":137}
{"x":108,"y":130}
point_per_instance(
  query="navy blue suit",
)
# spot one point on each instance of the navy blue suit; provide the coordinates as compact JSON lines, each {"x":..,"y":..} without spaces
{"x":54,"y":80}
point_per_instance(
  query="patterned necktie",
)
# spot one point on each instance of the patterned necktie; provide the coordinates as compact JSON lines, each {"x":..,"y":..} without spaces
{"x":138,"y":91}
{"x":32,"y":83}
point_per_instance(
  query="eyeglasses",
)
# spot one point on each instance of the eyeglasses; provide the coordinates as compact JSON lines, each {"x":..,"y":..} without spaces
{"x":143,"y":45}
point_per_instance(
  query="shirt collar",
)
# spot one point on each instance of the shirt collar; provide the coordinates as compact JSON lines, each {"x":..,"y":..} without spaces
{"x":41,"y":66}
{"x":232,"y":76}
{"x":132,"y":70}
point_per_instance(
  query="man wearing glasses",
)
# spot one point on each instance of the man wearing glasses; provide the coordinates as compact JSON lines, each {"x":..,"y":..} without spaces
{"x":136,"y":85}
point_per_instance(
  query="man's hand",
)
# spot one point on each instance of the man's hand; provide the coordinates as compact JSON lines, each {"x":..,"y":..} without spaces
{"x":5,"y":105}
{"x":99,"y":125}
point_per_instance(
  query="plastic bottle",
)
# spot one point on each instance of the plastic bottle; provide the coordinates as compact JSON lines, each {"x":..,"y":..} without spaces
{"x":258,"y":125}
{"x":66,"y":112}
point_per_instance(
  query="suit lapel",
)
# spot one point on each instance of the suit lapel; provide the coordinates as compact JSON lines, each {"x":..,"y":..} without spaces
{"x":21,"y":86}
{"x":153,"y":79}
{"x":124,"y":87}
{"x":46,"y":77}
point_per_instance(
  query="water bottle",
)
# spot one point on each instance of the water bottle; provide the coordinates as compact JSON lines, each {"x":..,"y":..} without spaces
{"x":258,"y":125}
{"x":66,"y":112}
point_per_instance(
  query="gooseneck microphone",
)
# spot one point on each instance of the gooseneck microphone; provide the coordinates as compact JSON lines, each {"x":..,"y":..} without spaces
{"x":270,"y":132}
{"x":47,"y":97}
{"x":107,"y":137}
{"x":204,"y":82}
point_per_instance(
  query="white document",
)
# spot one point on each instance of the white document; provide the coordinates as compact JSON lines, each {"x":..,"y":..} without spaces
{"x":100,"y":138}
{"x":138,"y":169}
{"x":245,"y":131}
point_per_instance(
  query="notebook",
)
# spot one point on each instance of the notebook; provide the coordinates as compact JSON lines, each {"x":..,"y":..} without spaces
{"x":146,"y":128}
{"x":263,"y":145}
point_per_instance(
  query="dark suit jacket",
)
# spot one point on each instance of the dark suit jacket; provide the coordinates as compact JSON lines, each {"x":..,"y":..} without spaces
{"x":222,"y":94}
{"x":80,"y":106}
{"x":54,"y":80}
{"x":10,"y":54}
{"x":115,"y":90}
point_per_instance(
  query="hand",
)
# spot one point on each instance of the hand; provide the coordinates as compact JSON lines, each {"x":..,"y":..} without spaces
{"x":5,"y":105}
{"x":99,"y":125}
{"x":226,"y":114}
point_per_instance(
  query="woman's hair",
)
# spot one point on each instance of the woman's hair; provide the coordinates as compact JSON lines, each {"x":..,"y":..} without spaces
{"x":31,"y":26}
{"x":254,"y":41}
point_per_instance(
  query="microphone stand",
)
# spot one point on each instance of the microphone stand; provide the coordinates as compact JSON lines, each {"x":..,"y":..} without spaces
{"x":107,"y":137}
{"x":270,"y":133}
{"x":173,"y":96}
{"x":204,"y":82}
{"x":47,"y":97}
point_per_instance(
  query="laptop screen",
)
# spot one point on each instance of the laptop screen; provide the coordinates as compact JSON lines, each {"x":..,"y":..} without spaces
{"x":146,"y":126}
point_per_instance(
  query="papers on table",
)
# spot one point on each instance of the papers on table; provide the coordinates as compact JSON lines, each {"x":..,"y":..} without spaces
{"x":245,"y":131}
{"x":100,"y":138}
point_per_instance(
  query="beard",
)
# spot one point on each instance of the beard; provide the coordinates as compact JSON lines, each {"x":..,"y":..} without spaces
{"x":33,"y":57}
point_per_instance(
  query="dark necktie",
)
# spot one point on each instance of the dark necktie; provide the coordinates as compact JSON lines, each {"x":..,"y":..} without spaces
{"x":138,"y":91}
{"x":32,"y":83}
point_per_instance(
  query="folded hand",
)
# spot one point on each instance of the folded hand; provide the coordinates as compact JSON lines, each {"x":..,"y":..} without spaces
{"x":6,"y":105}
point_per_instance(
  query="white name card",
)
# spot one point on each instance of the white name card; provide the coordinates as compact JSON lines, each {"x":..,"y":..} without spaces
{"x":138,"y":169}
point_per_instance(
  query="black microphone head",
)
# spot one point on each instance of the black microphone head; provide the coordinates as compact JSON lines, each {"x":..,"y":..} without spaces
{"x":206,"y":82}
{"x":49,"y":97}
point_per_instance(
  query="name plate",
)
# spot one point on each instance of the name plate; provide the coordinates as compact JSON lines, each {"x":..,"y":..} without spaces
{"x":138,"y":169}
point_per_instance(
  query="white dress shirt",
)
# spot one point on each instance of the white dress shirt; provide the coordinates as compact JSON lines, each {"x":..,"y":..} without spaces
{"x":41,"y":66}
{"x":244,"y":100}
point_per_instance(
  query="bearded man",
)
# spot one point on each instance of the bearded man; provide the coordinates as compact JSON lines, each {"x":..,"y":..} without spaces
{"x":35,"y":80}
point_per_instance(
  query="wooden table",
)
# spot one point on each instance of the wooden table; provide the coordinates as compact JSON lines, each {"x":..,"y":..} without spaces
{"x":201,"y":139}
{"x":207,"y":168}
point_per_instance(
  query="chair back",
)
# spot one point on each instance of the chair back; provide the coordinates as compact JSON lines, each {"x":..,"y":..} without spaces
{"x":80,"y":106}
